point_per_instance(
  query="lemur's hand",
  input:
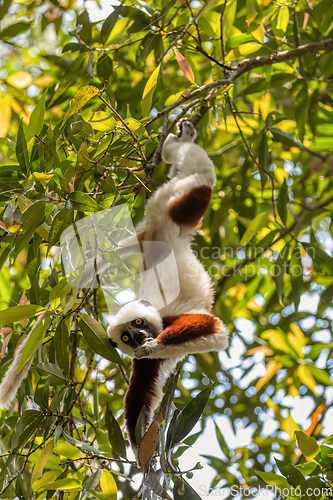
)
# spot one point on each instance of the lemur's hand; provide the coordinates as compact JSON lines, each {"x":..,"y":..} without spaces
{"x":187,"y":132}
{"x":148,"y":347}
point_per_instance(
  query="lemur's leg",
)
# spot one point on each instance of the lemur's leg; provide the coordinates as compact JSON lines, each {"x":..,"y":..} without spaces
{"x":186,"y":334}
{"x":188,"y":209}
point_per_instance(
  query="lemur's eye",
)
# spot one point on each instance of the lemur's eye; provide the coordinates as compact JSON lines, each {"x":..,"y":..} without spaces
{"x":125,"y":337}
{"x":138,"y":321}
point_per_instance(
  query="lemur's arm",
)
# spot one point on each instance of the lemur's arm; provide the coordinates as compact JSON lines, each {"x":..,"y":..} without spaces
{"x":185,"y":334}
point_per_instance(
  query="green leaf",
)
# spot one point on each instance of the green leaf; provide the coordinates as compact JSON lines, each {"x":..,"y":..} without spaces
{"x":279,"y":272}
{"x":46,"y":369}
{"x":114,"y":432}
{"x":263,"y":157}
{"x":61,"y":347}
{"x":82,"y":96}
{"x":14,"y":29}
{"x":83,"y":203}
{"x":50,"y":153}
{"x":65,"y":484}
{"x":17,"y":313}
{"x":183,"y":491}
{"x":223,"y":445}
{"x":72,"y":72}
{"x":148,"y":91}
{"x":257,"y":223}
{"x":189,"y":416}
{"x":108,"y":25}
{"x":322,"y":376}
{"x":25,"y":427}
{"x":307,"y":444}
{"x":282,"y":202}
{"x":251,"y":12}
{"x":36,"y":119}
{"x":98,"y":339}
{"x":80,"y":444}
{"x":286,"y":138}
{"x":36,"y":214}
{"x":22,"y":150}
{"x":293,"y":475}
{"x":296,"y":274}
{"x":35,"y":340}
{"x":301,"y":108}
{"x":63,"y":219}
{"x":104,"y":67}
{"x":274,"y":480}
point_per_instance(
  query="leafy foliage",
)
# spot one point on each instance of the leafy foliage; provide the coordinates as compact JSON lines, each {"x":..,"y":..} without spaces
{"x":85,"y":107}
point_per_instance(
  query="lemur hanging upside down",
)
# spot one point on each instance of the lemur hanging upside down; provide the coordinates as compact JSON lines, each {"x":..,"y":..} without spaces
{"x":158,"y":339}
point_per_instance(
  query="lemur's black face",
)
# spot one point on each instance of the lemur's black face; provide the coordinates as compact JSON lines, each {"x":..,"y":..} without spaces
{"x":136,"y":332}
{"x":185,"y":126}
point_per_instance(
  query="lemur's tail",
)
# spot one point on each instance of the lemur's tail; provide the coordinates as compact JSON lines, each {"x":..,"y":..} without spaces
{"x":12,"y":380}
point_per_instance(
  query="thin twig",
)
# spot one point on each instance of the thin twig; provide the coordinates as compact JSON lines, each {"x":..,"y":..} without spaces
{"x":251,"y":154}
{"x":182,"y":33}
{"x":128,"y":130}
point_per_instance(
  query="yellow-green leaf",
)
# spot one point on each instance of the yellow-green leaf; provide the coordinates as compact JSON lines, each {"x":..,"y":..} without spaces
{"x":43,"y":457}
{"x":16,"y":313}
{"x":297,"y":339}
{"x":283,"y":18}
{"x":108,"y":485}
{"x":306,"y":377}
{"x":271,"y":368}
{"x":308,"y":445}
{"x":6,"y":114}
{"x":82,"y":96}
{"x":278,"y":340}
{"x":41,"y":177}
{"x":148,"y":91}
{"x":35,"y":340}
{"x":251,"y":12}
{"x":66,"y":484}
{"x":135,"y":126}
{"x":257,"y":223}
{"x":99,"y":120}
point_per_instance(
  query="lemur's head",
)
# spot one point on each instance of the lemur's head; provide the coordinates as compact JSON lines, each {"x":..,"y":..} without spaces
{"x":133,"y":324}
{"x":186,"y":130}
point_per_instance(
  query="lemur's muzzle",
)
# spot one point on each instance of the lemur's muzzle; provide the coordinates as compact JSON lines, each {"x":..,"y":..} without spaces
{"x":140,"y":336}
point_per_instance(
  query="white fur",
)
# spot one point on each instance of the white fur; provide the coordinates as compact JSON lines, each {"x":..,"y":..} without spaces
{"x":213,"y":342}
{"x":12,"y":380}
{"x":191,"y":167}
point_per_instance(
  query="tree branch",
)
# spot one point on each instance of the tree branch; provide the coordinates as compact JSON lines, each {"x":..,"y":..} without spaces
{"x":249,"y":64}
{"x":182,"y":33}
{"x":241,"y":68}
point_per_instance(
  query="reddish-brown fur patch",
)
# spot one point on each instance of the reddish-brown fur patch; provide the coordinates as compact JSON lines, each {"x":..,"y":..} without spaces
{"x":179,"y":329}
{"x":144,"y":373}
{"x":188,"y":209}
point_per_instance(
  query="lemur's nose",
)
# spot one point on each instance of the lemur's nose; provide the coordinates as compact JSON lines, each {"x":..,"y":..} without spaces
{"x":139,"y":336}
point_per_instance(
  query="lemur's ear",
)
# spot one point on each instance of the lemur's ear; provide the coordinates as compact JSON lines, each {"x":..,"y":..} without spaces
{"x":145,"y":302}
